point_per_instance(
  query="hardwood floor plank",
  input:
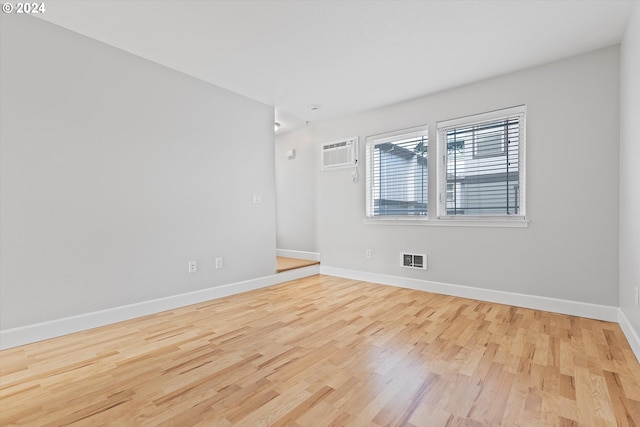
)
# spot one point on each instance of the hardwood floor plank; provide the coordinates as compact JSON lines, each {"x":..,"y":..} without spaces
{"x":325,"y":351}
{"x":286,"y":263}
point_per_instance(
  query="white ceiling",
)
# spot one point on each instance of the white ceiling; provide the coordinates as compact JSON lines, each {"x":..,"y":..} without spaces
{"x":346,"y":56}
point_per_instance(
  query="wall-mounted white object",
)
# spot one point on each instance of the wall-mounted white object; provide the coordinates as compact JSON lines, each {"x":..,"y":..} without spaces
{"x":413,"y":260}
{"x":291,"y":154}
{"x":340,"y":154}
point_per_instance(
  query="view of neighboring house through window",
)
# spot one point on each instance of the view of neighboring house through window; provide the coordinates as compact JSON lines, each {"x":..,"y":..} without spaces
{"x":397,"y":174}
{"x":482,"y":169}
{"x":479,"y":164}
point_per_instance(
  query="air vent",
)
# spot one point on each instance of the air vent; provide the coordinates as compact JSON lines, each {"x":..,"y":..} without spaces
{"x":418,"y":261}
{"x":340,"y":154}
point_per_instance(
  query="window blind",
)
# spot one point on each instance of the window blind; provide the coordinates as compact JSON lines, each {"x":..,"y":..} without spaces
{"x":482,"y":167}
{"x":397,"y":174}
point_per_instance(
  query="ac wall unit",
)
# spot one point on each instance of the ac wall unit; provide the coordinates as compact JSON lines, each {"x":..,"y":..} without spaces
{"x":340,"y":154}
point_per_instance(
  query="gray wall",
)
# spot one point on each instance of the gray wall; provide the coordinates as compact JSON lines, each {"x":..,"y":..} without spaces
{"x":569,"y":250}
{"x":629,"y":169}
{"x":116,"y":172}
{"x":296,"y":190}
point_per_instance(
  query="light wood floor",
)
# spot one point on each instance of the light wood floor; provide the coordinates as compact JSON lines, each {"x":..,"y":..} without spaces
{"x":285,"y":263}
{"x":324,"y":351}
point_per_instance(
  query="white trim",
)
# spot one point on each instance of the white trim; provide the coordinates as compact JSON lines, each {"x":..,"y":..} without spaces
{"x":416,"y":131}
{"x":574,"y":308}
{"x":450,"y":222}
{"x":288,"y":253}
{"x":482,"y":117}
{"x":41,"y":331}
{"x":494,"y":222}
{"x":630,"y":333}
{"x":54,"y":328}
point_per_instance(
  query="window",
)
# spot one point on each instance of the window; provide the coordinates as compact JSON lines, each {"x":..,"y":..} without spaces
{"x":397,"y":174}
{"x":482,"y":166}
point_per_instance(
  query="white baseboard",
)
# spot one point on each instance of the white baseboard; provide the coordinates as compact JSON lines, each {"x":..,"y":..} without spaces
{"x":630,"y":333}
{"x":41,"y":331}
{"x":311,"y":256}
{"x":575,"y":308}
{"x":555,"y":305}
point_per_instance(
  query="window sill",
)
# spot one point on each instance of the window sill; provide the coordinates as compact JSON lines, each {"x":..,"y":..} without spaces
{"x":451,"y":222}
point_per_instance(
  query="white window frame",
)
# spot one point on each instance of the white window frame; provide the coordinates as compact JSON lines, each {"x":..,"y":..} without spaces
{"x":371,"y":141}
{"x":517,"y":220}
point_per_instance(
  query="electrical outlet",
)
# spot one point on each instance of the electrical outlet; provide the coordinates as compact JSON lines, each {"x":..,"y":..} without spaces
{"x":367,"y":253}
{"x":257,"y":198}
{"x":192,"y":267}
{"x":218,"y":263}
